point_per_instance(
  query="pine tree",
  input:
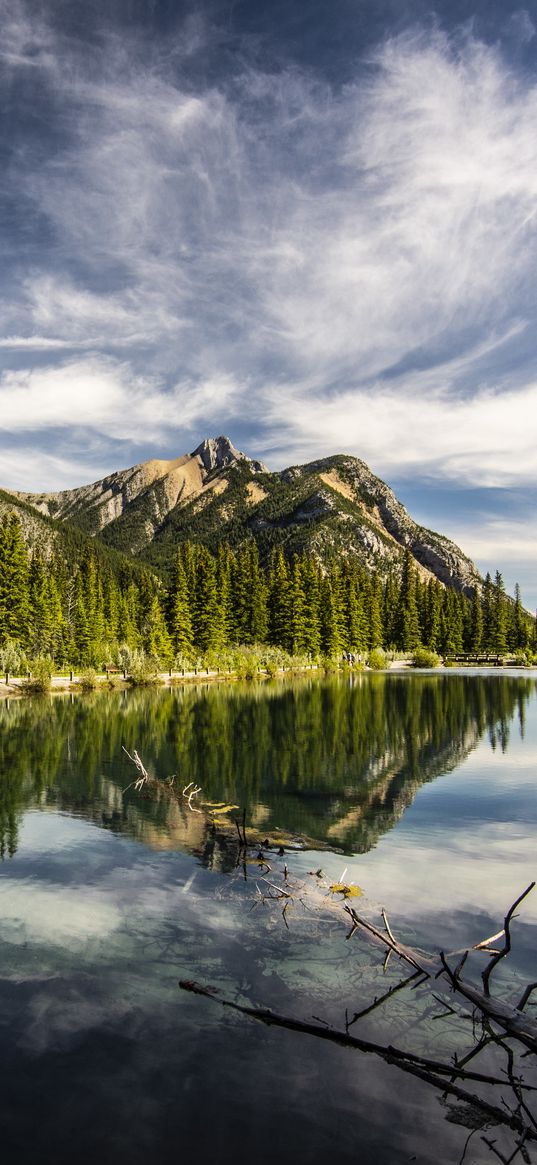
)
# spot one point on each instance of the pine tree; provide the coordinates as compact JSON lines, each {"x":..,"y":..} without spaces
{"x":15,"y":609}
{"x":179,"y":611}
{"x":40,"y":604}
{"x":375,"y":636}
{"x":155,"y":636}
{"x":499,"y":616}
{"x":486,"y":607}
{"x":259,"y":613}
{"x":82,"y":639}
{"x":433,"y":607}
{"x":298,"y":631}
{"x":451,"y":624}
{"x":208,"y":623}
{"x":477,"y":628}
{"x":518,"y":629}
{"x":279,"y":603}
{"x":408,"y":636}
{"x":332,"y":617}
{"x":224,"y":567}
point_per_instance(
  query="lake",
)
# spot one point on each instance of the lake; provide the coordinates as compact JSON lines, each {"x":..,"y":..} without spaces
{"x":419,"y":789}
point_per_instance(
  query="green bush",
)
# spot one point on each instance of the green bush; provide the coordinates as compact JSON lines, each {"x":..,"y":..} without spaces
{"x":525,"y":657}
{"x":12,"y":658}
{"x":377,"y":659}
{"x":424,"y":657}
{"x":88,"y":679}
{"x":144,"y":670}
{"x":41,"y":670}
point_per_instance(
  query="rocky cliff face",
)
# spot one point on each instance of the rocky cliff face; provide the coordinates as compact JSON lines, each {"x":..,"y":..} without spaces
{"x":160,"y":484}
{"x":331,"y":507}
{"x":434,"y":553}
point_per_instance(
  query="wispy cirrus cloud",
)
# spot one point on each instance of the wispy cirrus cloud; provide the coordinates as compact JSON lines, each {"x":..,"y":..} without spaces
{"x":349,"y":269}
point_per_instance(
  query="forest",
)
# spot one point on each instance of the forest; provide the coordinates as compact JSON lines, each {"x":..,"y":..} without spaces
{"x":97,"y":611}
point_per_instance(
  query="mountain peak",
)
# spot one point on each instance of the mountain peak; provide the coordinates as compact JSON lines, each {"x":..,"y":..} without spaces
{"x":218,"y":452}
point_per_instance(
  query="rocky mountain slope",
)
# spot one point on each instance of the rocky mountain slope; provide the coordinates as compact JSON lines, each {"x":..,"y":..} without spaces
{"x":68,"y":542}
{"x":331,"y":507}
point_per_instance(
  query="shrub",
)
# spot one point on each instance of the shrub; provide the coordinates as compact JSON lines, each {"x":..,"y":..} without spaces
{"x":183,"y":661}
{"x":12,"y":658}
{"x":377,"y":659}
{"x":144,"y":669}
{"x":41,"y":670}
{"x":524,"y":657}
{"x":424,"y":657}
{"x":88,"y":679}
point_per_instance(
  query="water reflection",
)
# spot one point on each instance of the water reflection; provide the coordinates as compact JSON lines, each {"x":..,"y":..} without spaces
{"x":337,"y":761}
{"x":103,"y":910}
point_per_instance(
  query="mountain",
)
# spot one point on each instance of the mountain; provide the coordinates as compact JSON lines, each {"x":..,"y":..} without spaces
{"x":329,"y":508}
{"x":68,"y":542}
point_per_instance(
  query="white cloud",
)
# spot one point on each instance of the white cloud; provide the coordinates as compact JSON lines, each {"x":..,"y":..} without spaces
{"x":274,"y":247}
{"x":487,"y":439}
{"x":501,"y":540}
{"x":99,"y":397}
{"x":38,"y":343}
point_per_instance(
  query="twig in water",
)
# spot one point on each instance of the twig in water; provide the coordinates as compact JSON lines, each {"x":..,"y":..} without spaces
{"x":138,"y":763}
{"x":507,"y":945}
{"x":194,"y":790}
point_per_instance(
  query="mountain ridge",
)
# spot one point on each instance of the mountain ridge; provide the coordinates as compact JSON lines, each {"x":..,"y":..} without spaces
{"x":329,"y":507}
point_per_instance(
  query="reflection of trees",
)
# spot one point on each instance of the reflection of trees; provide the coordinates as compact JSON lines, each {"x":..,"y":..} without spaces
{"x":336,"y":761}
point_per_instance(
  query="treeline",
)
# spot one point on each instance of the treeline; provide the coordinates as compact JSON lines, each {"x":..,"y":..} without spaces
{"x":92,"y":614}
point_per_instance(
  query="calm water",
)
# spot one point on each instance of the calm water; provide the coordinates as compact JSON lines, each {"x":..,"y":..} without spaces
{"x":422,"y":787}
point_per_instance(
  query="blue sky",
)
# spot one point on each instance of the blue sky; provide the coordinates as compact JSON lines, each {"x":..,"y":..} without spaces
{"x":309,"y":225}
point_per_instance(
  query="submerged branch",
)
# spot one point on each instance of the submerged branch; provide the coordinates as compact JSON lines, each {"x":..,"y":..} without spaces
{"x":440,"y":1076}
{"x":507,"y":945}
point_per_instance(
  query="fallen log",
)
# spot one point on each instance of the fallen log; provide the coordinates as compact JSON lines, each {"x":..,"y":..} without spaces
{"x":510,"y":1017}
{"x":439,"y":1075}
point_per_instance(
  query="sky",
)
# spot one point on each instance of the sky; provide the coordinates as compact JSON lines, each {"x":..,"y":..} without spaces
{"x":308,"y":224}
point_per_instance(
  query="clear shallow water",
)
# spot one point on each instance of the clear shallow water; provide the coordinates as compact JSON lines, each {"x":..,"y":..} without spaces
{"x":426,"y":787}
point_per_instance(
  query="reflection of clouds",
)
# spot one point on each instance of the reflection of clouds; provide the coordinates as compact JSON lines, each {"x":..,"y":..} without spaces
{"x":42,"y":830}
{"x":59,"y":916}
{"x":479,"y":871}
{"x":61,"y":1012}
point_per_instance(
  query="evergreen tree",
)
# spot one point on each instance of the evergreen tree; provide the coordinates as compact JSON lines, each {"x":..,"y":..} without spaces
{"x":208,"y":623}
{"x":311,"y":587}
{"x":82,"y":639}
{"x":15,"y":609}
{"x":486,"y":607}
{"x":279,"y":603}
{"x":332,"y":617}
{"x":298,"y":631}
{"x":155,"y":636}
{"x":41,"y":608}
{"x":375,"y":633}
{"x":408,"y":636}
{"x":477,"y":627}
{"x":179,"y":611}
{"x":451,"y":624}
{"x":432,"y":610}
{"x":498,"y":635}
{"x":518,"y":627}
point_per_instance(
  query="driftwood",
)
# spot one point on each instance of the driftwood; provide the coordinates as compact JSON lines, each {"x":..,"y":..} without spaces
{"x":510,"y":1017}
{"x":441,"y":1076}
{"x":454,"y":1078}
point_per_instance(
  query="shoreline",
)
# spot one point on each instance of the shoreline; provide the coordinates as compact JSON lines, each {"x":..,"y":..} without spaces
{"x":64,"y":685}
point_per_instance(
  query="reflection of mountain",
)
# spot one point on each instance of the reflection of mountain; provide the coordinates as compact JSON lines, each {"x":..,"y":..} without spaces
{"x":386,"y":797}
{"x":337,"y":761}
